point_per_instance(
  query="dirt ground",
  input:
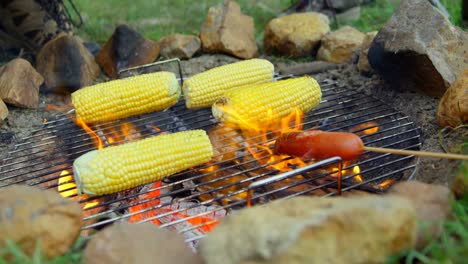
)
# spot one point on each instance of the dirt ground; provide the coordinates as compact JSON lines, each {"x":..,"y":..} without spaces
{"x":421,"y":110}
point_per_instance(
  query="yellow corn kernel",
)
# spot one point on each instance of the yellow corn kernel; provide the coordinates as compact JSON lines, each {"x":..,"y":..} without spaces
{"x":254,"y":105}
{"x":126,"y":97}
{"x":203,"y":89}
{"x":125,"y":166}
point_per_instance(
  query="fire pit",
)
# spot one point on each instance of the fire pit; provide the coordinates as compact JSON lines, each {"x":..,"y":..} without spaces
{"x":243,"y":172}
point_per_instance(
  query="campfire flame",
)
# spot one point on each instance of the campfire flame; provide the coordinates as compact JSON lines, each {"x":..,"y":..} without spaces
{"x":67,"y":188}
{"x":386,"y":183}
{"x":260,"y":140}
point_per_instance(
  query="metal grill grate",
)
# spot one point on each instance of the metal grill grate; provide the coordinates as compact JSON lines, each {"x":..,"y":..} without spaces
{"x":194,"y":200}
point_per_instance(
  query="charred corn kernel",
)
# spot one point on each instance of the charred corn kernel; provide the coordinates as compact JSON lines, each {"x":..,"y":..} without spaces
{"x":253,"y":105}
{"x":203,"y":89}
{"x":126,"y":97}
{"x":125,"y":166}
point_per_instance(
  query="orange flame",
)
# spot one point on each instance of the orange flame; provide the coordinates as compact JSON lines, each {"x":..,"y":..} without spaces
{"x":67,"y":188}
{"x":260,"y":138}
{"x":357,"y":170}
{"x":366,"y":128}
{"x":386,"y":183}
{"x":94,"y":135}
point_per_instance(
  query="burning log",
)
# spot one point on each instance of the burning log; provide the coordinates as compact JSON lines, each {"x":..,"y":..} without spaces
{"x":30,"y":215}
{"x":19,"y":84}
{"x":142,"y":243}
{"x":126,"y":48}
{"x":304,"y":230}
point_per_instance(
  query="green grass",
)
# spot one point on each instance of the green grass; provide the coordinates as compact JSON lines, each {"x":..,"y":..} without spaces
{"x":375,"y":14}
{"x":17,"y":256}
{"x":155,"y":19}
{"x":451,"y":247}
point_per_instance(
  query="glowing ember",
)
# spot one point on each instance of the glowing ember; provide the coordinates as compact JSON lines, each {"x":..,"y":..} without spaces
{"x":386,"y":183}
{"x":366,"y":128}
{"x":357,"y":170}
{"x":170,"y":213}
{"x":66,"y":187}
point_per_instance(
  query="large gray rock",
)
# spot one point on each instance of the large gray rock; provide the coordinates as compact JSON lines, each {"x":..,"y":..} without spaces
{"x":420,"y":47}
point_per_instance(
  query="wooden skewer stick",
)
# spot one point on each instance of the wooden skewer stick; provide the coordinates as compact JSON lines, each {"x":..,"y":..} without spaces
{"x":417,"y":153}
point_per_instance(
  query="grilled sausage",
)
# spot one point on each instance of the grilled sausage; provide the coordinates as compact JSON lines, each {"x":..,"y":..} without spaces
{"x":317,"y":144}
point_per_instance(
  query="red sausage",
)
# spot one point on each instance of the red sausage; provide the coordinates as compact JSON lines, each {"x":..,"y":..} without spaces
{"x":317,"y":144}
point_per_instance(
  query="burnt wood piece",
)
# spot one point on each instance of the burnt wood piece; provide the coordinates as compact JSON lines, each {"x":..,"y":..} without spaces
{"x":66,"y":65}
{"x":126,"y":48}
{"x":19,"y":84}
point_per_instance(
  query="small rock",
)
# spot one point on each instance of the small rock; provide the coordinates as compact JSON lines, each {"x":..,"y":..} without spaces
{"x":432,"y":203}
{"x":66,"y":65}
{"x":342,"y":5}
{"x":295,"y":35}
{"x":3,"y":111}
{"x":419,"y":48}
{"x":313,"y":230}
{"x":349,"y":16}
{"x":138,"y":243}
{"x":19,"y":84}
{"x":29,"y":214}
{"x":179,"y":46}
{"x":92,"y":47}
{"x":453,"y":106}
{"x":227,"y":30}
{"x":126,"y":48}
{"x":363,"y":63}
{"x":339,"y":46}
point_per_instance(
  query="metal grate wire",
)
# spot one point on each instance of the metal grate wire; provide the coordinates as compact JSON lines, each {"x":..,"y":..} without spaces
{"x":40,"y":159}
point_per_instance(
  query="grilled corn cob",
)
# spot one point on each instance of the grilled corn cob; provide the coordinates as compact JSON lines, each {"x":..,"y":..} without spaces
{"x":125,"y":166}
{"x":126,"y":97}
{"x":202,"y":90}
{"x":250,"y":106}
